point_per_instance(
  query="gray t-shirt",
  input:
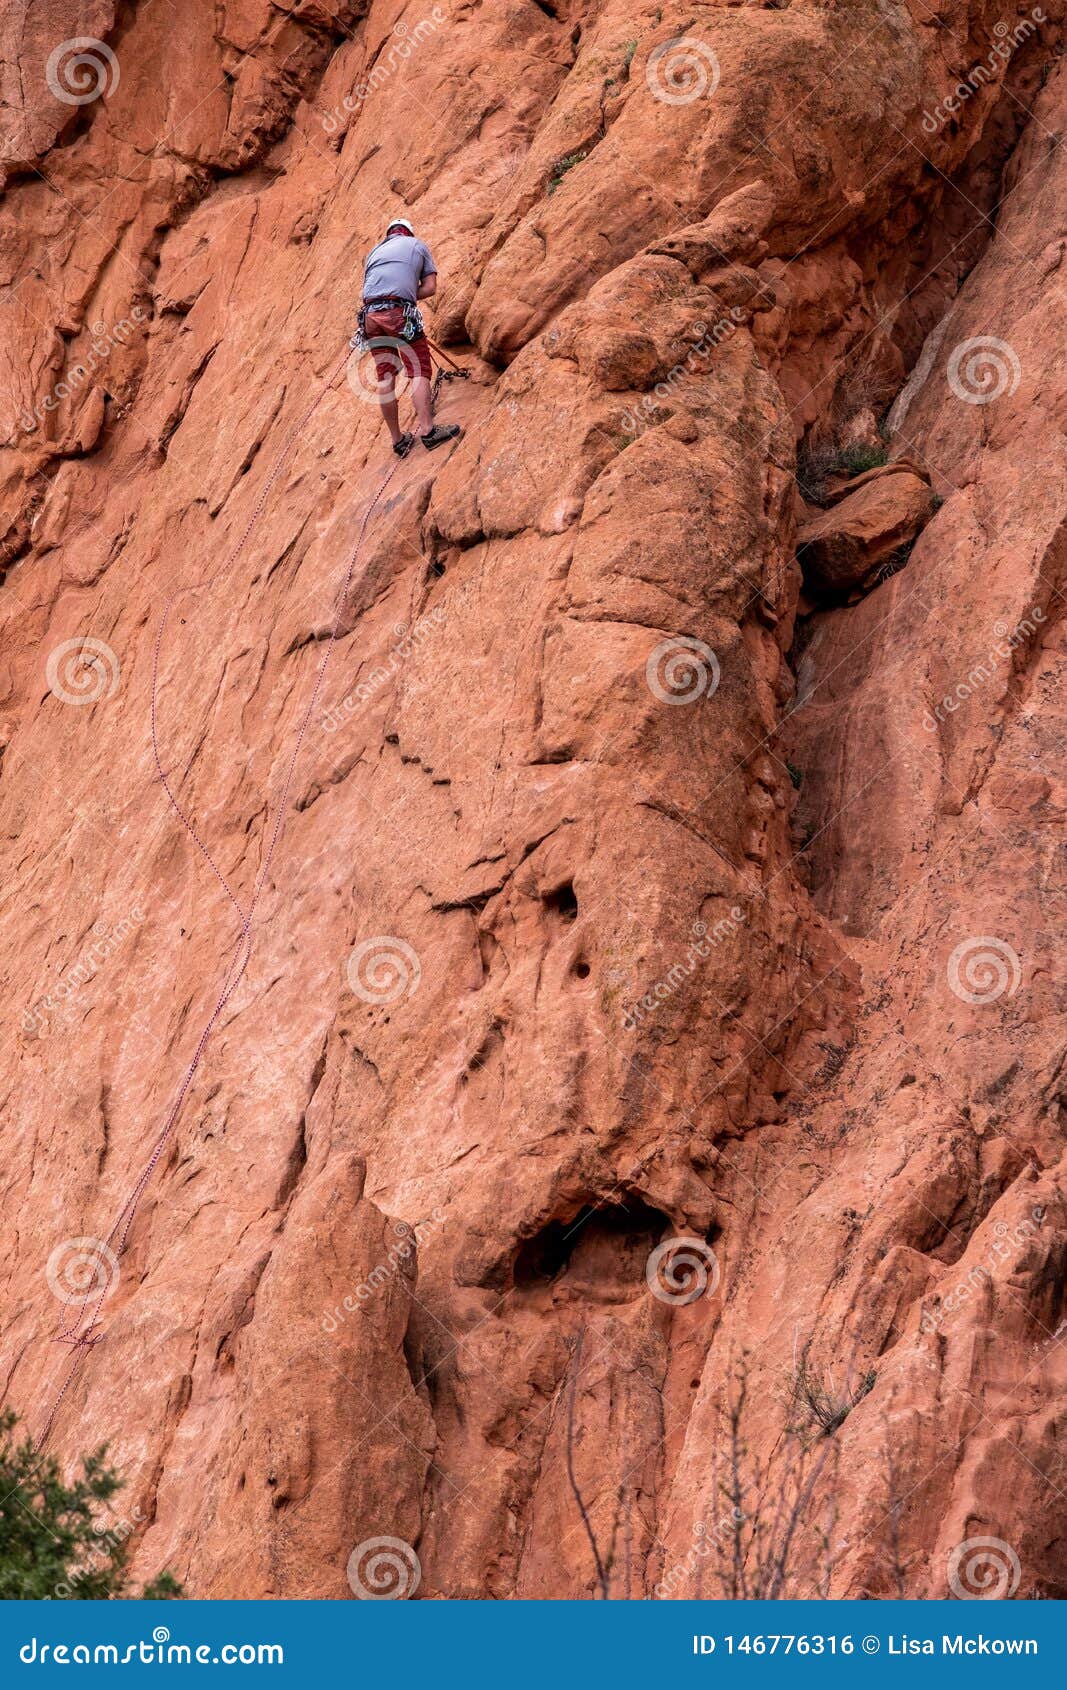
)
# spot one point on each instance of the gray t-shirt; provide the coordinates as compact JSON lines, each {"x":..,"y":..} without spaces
{"x":395,"y":267}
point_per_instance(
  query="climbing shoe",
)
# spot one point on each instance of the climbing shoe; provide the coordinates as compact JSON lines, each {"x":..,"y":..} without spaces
{"x":403,"y":446}
{"x":438,"y":435}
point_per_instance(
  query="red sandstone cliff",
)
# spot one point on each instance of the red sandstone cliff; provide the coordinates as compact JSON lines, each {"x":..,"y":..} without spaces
{"x":714,"y":894}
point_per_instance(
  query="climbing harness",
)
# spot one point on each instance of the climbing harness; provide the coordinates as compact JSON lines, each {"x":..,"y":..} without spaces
{"x":389,"y":333}
{"x":398,"y":319}
{"x":81,"y":1332}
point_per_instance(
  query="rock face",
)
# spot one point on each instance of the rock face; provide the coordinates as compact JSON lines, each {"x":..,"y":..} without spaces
{"x":637,"y":1088}
{"x":867,"y":531}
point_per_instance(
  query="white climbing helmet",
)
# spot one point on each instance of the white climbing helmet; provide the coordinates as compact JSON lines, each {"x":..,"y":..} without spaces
{"x":398,"y":223}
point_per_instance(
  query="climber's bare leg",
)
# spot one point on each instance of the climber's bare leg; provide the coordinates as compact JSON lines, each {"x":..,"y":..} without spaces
{"x":423,"y":401}
{"x":390,"y":408}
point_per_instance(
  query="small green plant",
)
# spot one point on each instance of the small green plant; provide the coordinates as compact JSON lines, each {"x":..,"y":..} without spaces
{"x":631,"y":49}
{"x":561,"y":167}
{"x":819,"y":461}
{"x":858,"y":459}
{"x":54,"y":1540}
{"x":796,"y":775}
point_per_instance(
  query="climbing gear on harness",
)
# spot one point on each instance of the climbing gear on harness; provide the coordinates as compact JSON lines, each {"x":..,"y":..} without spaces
{"x":439,"y":433}
{"x":403,"y":446}
{"x":387,"y":319}
{"x":81,"y":1333}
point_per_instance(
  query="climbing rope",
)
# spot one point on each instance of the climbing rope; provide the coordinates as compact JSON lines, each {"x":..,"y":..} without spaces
{"x":81,"y":1332}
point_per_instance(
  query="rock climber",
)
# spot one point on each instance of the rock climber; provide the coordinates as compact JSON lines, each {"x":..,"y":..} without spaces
{"x":399,"y":271}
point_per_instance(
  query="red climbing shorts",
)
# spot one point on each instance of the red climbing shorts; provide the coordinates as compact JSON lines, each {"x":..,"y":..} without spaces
{"x":413,"y":356}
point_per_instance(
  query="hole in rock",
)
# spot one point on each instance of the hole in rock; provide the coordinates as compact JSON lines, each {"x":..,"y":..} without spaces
{"x":562,"y":902}
{"x":600,"y":1252}
{"x":582,"y":970}
{"x":437,"y":569}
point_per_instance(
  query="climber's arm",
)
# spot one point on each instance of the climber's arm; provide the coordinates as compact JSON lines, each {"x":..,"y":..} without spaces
{"x":428,"y":286}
